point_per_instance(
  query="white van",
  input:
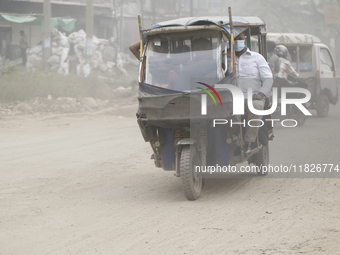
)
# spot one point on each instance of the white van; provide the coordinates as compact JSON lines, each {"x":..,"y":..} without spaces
{"x":311,"y":58}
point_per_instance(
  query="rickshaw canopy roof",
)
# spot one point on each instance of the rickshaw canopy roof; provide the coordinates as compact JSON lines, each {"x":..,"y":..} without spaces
{"x":240,"y":23}
{"x":292,"y":38}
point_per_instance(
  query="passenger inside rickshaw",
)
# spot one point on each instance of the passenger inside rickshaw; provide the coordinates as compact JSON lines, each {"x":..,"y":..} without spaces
{"x":159,"y":64}
{"x":202,"y":64}
{"x":180,"y":59}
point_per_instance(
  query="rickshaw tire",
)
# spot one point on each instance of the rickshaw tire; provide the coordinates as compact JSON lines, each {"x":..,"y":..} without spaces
{"x":296,"y":114}
{"x":322,"y":106}
{"x":262,"y":159}
{"x":301,"y":119}
{"x":192,"y":187}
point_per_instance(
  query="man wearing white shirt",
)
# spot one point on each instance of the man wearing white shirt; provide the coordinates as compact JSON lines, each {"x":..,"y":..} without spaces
{"x":252,"y":71}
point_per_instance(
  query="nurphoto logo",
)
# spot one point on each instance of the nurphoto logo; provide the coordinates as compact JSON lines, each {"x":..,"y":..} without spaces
{"x":238,"y":102}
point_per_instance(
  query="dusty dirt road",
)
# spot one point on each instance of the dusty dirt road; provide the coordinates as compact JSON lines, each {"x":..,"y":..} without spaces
{"x":85,"y":184}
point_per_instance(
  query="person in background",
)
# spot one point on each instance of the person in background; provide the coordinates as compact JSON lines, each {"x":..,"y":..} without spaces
{"x":273,"y":59}
{"x":160,"y":65}
{"x":73,"y":59}
{"x":286,"y":67}
{"x":23,"y":47}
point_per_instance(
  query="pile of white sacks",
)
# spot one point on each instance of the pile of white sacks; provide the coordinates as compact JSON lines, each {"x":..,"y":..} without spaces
{"x":102,"y":60}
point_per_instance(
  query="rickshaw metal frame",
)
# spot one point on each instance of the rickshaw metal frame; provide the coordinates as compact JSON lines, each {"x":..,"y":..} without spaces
{"x":252,"y":26}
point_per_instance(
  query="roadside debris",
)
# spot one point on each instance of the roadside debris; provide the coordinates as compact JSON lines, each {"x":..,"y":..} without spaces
{"x":58,"y":105}
{"x":72,"y":48}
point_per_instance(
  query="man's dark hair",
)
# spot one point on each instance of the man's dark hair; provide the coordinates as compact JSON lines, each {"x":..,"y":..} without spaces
{"x":271,"y":46}
{"x":201,"y":43}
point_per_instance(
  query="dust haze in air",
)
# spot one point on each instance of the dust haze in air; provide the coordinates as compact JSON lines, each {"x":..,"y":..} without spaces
{"x":288,"y":16}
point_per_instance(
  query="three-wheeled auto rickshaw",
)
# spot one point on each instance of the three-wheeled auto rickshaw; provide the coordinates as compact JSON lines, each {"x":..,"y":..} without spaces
{"x":311,"y":58}
{"x":173,"y":85}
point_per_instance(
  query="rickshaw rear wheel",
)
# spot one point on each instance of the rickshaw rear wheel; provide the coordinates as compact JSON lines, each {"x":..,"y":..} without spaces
{"x":296,"y":114}
{"x":191,"y":181}
{"x":322,"y":106}
{"x":301,"y":120}
{"x":262,"y":159}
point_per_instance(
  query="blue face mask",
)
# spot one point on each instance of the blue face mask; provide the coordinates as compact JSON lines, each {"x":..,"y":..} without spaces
{"x":239,"y":45}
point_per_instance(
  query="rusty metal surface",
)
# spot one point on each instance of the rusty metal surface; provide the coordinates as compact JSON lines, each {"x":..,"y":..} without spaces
{"x":222,"y":21}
